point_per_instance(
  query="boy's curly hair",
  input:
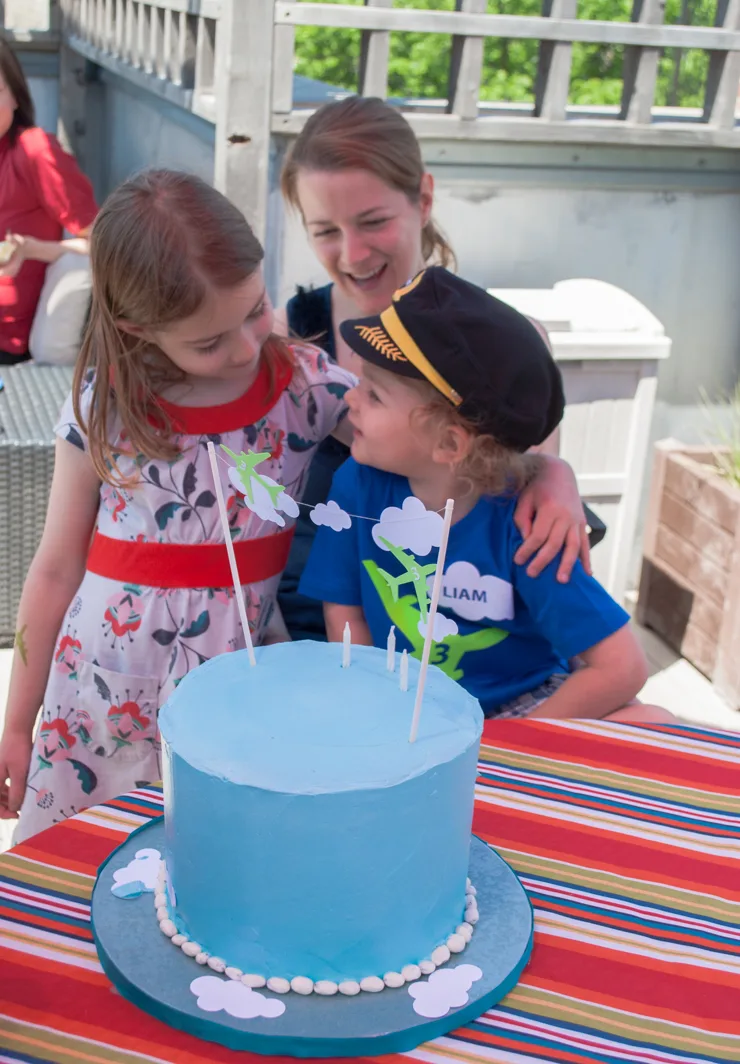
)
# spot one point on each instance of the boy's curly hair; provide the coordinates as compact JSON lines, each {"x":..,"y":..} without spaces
{"x":491,"y":467}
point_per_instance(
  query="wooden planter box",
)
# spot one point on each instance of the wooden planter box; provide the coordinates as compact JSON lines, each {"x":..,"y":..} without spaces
{"x":690,"y":583}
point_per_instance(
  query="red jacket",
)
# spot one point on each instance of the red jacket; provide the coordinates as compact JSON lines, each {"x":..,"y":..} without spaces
{"x":42,"y":193}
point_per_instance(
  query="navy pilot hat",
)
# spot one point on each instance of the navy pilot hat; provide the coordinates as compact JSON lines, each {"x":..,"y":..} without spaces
{"x":484,"y":357}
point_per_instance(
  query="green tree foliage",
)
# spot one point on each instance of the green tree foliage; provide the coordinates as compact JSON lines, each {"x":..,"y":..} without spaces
{"x":419,"y":62}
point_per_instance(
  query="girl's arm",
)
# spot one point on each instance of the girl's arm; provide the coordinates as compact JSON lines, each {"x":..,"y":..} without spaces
{"x":613,"y":673}
{"x":29,"y":247}
{"x":53,"y":577}
{"x":551,"y":518}
{"x":335,"y":618}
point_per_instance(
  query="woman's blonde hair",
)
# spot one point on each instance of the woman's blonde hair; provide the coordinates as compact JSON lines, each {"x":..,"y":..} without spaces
{"x":161,"y":241}
{"x":365,"y":133}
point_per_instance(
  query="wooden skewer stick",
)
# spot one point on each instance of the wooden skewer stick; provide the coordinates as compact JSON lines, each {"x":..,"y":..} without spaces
{"x":238,"y":590}
{"x":429,"y":638}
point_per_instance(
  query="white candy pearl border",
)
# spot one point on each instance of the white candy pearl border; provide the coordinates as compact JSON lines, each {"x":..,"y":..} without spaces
{"x":301,"y":984}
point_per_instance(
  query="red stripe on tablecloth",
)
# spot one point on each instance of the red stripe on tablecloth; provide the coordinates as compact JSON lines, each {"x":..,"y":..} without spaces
{"x":667,"y":934}
{"x":15,"y":962}
{"x":45,"y":923}
{"x":608,"y":851}
{"x":100,"y":1013}
{"x":69,"y":848}
{"x":600,"y":750}
{"x":132,"y":807}
{"x":677,"y":992}
{"x":494,"y":1039}
{"x":642,"y":814}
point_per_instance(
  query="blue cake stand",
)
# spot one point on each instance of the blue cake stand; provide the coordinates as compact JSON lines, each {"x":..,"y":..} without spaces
{"x":156,"y":976}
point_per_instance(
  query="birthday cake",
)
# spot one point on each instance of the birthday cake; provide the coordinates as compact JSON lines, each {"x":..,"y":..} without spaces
{"x":309,"y":845}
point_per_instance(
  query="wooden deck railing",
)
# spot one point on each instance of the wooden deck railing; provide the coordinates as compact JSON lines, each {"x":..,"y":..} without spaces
{"x":232,"y":61}
{"x":165,"y":46}
{"x":557,"y":29}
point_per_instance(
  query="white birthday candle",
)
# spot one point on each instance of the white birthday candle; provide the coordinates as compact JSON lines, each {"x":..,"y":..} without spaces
{"x":346,"y":645}
{"x":391,"y":659}
{"x":238,"y":590}
{"x":405,"y":671}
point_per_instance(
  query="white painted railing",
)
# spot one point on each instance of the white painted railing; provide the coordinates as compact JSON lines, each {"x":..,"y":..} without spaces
{"x":166,"y":46}
{"x":231,"y":62}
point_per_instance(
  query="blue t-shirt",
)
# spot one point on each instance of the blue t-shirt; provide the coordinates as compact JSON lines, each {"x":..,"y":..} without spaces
{"x":514,"y":631}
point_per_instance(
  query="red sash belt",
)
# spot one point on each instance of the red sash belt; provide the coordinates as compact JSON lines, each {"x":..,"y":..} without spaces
{"x":183,"y":565}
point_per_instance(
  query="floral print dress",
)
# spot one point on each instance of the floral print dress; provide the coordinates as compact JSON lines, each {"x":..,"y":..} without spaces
{"x":124,"y":646}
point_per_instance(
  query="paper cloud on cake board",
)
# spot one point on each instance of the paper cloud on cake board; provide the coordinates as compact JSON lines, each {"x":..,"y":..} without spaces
{"x":331,"y":515}
{"x":410,"y":526}
{"x":233,"y":997}
{"x":445,"y":989}
{"x":475,"y":597}
{"x":137,"y":876}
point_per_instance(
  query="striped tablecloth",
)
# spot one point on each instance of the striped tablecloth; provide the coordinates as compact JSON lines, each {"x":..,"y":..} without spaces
{"x":626,"y":838}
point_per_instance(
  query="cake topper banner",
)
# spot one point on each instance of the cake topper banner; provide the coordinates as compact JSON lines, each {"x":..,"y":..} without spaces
{"x":265,"y":497}
{"x":407,"y":532}
{"x":404,"y":532}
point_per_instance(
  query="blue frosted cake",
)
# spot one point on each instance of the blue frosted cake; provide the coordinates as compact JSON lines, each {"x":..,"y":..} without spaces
{"x":309,"y":845}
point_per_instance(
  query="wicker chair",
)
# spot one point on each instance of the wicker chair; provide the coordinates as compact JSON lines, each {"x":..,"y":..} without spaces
{"x":30,"y":402}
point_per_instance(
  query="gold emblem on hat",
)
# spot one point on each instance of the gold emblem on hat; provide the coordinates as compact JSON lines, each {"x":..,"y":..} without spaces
{"x":377,"y":338}
{"x":409,"y":287}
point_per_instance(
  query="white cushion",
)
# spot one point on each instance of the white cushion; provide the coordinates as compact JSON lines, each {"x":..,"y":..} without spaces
{"x":57,"y":328}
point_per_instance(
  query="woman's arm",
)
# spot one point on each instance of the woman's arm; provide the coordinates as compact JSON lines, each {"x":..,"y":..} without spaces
{"x":614,"y":671}
{"x":53,"y":577}
{"x":30,"y":248}
{"x":335,"y":618}
{"x":550,"y":517}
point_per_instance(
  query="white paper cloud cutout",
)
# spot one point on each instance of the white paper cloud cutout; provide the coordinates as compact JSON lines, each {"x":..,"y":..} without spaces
{"x":411,"y":527}
{"x":215,"y":994}
{"x":443,"y":626}
{"x":445,"y":989}
{"x":261,"y":503}
{"x":331,"y":515}
{"x":475,"y":597}
{"x":140,"y":873}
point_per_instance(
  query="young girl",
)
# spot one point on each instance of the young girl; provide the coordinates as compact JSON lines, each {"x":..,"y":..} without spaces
{"x":179,"y":351}
{"x":456,"y":387}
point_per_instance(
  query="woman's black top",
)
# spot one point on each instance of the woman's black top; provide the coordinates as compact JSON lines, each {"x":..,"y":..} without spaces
{"x":309,"y":316}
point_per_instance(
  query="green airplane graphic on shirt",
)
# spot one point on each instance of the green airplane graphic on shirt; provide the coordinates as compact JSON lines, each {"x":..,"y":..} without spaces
{"x":245,"y":467}
{"x":413,"y":574}
{"x":404,"y":613}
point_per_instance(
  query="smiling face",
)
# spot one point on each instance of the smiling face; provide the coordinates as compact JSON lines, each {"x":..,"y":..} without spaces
{"x":224,"y":338}
{"x":366,"y":234}
{"x":386,"y":434}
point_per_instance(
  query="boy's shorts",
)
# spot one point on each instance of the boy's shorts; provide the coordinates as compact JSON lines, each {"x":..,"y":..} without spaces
{"x":524,"y":704}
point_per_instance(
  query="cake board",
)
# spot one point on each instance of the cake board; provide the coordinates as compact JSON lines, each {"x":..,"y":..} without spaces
{"x":156,"y":976}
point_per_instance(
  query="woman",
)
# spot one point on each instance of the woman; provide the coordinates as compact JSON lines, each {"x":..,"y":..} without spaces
{"x":356,"y":176}
{"x":42,"y":193}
